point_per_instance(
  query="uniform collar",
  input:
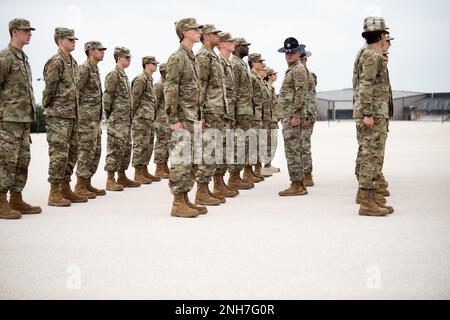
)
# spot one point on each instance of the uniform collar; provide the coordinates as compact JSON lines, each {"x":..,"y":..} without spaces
{"x":188,"y":51}
{"x":18,"y":52}
{"x":121,"y":72}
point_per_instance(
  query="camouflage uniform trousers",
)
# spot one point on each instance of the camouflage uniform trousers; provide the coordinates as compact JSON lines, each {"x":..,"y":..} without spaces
{"x":14,"y":155}
{"x":306,"y":147}
{"x":89,"y":148}
{"x":257,"y":125}
{"x":118,"y":153}
{"x":293,"y":150}
{"x":272,"y":139}
{"x":180,"y":178}
{"x":161,"y":132}
{"x":142,"y":141}
{"x":205,"y":170}
{"x":230,"y":165}
{"x":371,"y":144}
{"x":62,"y":138}
{"x":243,"y":122}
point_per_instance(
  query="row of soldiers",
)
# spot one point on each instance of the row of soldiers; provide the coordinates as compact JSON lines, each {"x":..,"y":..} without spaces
{"x":217,"y":90}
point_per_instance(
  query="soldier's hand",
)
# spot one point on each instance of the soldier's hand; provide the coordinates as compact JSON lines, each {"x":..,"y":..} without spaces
{"x":176,"y":126}
{"x":369,"y":122}
{"x":295,"y":122}
{"x":306,"y":123}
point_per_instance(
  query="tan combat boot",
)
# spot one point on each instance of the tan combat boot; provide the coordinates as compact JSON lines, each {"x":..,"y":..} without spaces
{"x":166,"y":168}
{"x":368,"y":206}
{"x":5,"y":211}
{"x":181,"y":209}
{"x":383,"y":191}
{"x":82,"y":190}
{"x":378,"y":197}
{"x":67,"y":193}
{"x":309,"y":182}
{"x":265,"y":172}
{"x":139,"y":176}
{"x":125,"y":182}
{"x":296,"y":189}
{"x":271,"y":168}
{"x":221,"y":189}
{"x":98,"y":192}
{"x":235,"y":182}
{"x":55,"y":197}
{"x":160,"y":172}
{"x":384,"y":206}
{"x":382,"y":181}
{"x":200,"y":209}
{"x":249,"y":176}
{"x":150,"y":176}
{"x":111,"y":184}
{"x":16,"y":203}
{"x":257,"y":172}
{"x":204,"y":197}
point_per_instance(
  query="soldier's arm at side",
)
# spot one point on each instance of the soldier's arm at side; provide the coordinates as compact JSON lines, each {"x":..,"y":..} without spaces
{"x":137,"y":90}
{"x":52,"y":75}
{"x":171,"y":90}
{"x":204,"y":71}
{"x":5,"y":66}
{"x":237,"y":80}
{"x":301,"y":90}
{"x":369,"y":74}
{"x":108,"y":96}
{"x":83,"y":73}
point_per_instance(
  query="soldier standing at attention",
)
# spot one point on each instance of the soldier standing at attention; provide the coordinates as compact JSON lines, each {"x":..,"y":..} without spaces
{"x":182,"y":95}
{"x":17,"y":111}
{"x":89,"y":120}
{"x":143,"y":113}
{"x":292,"y":108}
{"x":161,"y":129}
{"x":310,"y":117}
{"x":244,"y":108}
{"x":117,"y":108}
{"x":266,"y":118}
{"x":371,"y":112}
{"x":61,"y":102}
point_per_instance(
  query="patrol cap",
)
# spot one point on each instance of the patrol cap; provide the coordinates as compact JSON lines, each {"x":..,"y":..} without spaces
{"x":163,"y":67}
{"x":389,"y":38}
{"x":306,"y":55}
{"x":291,"y":45}
{"x":186,"y":24}
{"x":20,"y":24}
{"x":209,"y":28}
{"x":65,"y":33}
{"x":374,"y":24}
{"x":226,"y":37}
{"x":270,"y":72}
{"x":122,"y":52}
{"x":149,"y":60}
{"x":241,"y":42}
{"x":255,"y":57}
{"x":92,"y":45}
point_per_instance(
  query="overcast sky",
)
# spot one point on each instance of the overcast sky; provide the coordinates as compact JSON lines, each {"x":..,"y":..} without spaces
{"x":331,"y":30}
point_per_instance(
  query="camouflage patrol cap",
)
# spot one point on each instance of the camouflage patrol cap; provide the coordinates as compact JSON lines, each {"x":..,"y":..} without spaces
{"x":226,"y":37}
{"x":270,"y":72}
{"x":389,"y":38}
{"x":306,"y":55}
{"x":186,"y":24}
{"x":149,"y":60}
{"x":374,"y":24}
{"x":209,"y":28}
{"x":122,"y":52}
{"x":241,"y":42}
{"x":65,"y":33}
{"x":92,"y":45}
{"x":20,"y":24}
{"x":163,"y":67}
{"x":255,"y":57}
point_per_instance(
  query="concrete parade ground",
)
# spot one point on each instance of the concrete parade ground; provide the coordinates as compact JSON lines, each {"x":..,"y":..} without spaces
{"x":126,"y":245}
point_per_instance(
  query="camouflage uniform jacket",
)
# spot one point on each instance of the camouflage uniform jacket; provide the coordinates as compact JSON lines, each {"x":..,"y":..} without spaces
{"x":293,"y":92}
{"x":267,"y":101}
{"x":117,"y":97}
{"x":311,"y":99}
{"x":182,"y":91}
{"x":61,"y":96}
{"x":160,"y":107}
{"x":143,"y":97}
{"x":242,"y":87}
{"x":90,"y":92}
{"x":16,"y":90}
{"x":370,"y":85}
{"x":213,"y":98}
{"x":229,"y":84}
{"x":257,"y":98}
{"x":274,"y":103}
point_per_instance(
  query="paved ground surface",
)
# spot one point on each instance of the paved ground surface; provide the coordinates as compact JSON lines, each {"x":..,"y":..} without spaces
{"x":257,"y":246}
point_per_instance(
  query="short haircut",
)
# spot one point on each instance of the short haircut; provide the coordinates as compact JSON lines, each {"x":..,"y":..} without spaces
{"x":372,"y":36}
{"x":250,"y":64}
{"x":116,"y":57}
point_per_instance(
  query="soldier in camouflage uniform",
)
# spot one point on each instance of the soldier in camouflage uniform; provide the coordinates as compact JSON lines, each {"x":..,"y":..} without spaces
{"x":17,"y":111}
{"x":311,"y":115}
{"x":117,"y":109}
{"x":182,"y":95}
{"x":256,"y":64}
{"x":144,"y":111}
{"x":89,"y":120}
{"x":214,"y":106}
{"x":61,"y":102}
{"x":292,"y":108}
{"x":266,"y":120}
{"x":226,"y":47}
{"x":272,"y":138}
{"x":161,"y":129}
{"x":371,"y":112}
